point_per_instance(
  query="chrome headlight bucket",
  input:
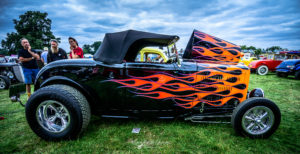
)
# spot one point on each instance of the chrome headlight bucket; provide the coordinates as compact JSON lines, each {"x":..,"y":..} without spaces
{"x":10,"y":74}
{"x":257,"y":92}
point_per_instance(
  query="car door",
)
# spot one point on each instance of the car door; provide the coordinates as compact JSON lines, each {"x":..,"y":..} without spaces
{"x":104,"y":84}
{"x":154,"y":86}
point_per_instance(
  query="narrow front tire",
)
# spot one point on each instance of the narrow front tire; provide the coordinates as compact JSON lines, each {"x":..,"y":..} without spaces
{"x":256,"y":118}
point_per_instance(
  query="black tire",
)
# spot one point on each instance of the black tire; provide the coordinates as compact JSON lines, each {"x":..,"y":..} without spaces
{"x":4,"y":82}
{"x":69,"y":101}
{"x":239,"y":119}
{"x":280,"y":74}
{"x":297,"y":75}
{"x":262,"y":70}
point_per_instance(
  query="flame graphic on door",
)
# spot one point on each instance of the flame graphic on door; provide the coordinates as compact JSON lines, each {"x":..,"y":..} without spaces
{"x":214,"y":86}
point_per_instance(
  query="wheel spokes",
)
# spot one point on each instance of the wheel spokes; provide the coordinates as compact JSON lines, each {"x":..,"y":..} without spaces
{"x":258,"y":120}
{"x":53,"y":116}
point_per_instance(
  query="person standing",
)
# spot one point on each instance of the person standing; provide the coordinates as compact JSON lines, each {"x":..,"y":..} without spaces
{"x":28,"y":57}
{"x":76,"y":51}
{"x":55,"y":52}
{"x":44,"y":55}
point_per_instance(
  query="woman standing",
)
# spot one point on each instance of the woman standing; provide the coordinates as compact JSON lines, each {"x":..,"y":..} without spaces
{"x":76,"y":51}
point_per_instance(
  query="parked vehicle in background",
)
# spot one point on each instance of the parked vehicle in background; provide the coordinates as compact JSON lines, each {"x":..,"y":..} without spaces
{"x":114,"y":85}
{"x":87,"y":55}
{"x":247,"y":61}
{"x":3,"y":59}
{"x":289,"y":67}
{"x":10,"y":73}
{"x":13,"y":60}
{"x":262,"y":67}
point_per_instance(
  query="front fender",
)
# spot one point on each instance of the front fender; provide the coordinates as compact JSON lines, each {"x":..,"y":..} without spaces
{"x":91,"y":98}
{"x":297,"y":67}
{"x":57,"y":80}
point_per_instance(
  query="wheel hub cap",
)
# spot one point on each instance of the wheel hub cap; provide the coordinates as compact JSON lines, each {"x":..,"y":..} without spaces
{"x":258,"y":120}
{"x":53,"y":116}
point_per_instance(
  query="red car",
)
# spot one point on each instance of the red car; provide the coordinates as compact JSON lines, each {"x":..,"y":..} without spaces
{"x":262,"y":67}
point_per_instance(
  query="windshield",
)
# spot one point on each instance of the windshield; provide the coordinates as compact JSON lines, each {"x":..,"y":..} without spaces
{"x":157,"y":54}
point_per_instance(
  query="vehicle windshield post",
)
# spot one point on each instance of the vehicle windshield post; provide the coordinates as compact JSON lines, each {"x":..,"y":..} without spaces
{"x":168,"y":49}
{"x":177,"y":56}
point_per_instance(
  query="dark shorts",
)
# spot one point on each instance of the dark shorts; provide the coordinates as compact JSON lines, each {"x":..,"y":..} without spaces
{"x":30,"y":75}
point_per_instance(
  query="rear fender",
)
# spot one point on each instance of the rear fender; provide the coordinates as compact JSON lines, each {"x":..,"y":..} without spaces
{"x":67,"y":81}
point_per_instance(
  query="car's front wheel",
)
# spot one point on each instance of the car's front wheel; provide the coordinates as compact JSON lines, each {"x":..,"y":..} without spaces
{"x":262,"y":70}
{"x":256,"y":118}
{"x":57,"y":112}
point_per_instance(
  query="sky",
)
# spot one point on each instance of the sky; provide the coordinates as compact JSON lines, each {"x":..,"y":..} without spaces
{"x":260,"y":23}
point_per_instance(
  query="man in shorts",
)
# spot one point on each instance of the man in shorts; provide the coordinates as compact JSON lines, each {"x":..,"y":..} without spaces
{"x":28,"y":58}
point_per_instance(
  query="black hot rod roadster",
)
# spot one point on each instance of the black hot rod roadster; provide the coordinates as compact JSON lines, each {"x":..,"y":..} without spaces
{"x":206,"y":83}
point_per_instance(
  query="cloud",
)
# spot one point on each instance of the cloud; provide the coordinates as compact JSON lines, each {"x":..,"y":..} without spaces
{"x":259,"y":22}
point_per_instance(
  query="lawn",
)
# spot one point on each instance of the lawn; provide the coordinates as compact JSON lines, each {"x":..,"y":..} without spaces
{"x":162,"y":136}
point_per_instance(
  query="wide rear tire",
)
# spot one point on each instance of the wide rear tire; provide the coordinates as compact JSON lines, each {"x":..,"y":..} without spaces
{"x":256,"y":118}
{"x":57,"y":112}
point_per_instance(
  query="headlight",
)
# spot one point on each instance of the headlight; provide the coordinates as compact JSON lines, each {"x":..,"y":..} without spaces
{"x":10,"y":75}
{"x":290,"y":66}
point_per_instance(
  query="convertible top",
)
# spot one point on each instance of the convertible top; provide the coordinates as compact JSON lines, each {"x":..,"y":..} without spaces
{"x":125,"y":45}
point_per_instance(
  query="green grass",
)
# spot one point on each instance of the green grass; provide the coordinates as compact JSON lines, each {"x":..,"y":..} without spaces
{"x":161,"y":136}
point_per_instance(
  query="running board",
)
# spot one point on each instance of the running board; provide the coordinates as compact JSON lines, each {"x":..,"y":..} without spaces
{"x":199,"y":119}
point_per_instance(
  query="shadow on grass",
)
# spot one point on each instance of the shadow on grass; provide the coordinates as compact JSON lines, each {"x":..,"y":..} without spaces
{"x":97,"y":123}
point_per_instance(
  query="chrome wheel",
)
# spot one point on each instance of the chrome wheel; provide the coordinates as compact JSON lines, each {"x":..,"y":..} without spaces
{"x":258,"y":120}
{"x":2,"y":83}
{"x":262,"y":70}
{"x":53,"y":116}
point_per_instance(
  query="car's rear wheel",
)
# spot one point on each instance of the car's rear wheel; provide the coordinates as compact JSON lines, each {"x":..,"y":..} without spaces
{"x":256,"y":118}
{"x":4,"y":82}
{"x":57,"y":112}
{"x":262,"y":70}
{"x":280,"y":74}
{"x":297,"y":75}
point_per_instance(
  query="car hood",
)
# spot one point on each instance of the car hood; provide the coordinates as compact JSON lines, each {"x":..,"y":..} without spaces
{"x":286,"y":63}
{"x":206,"y":47}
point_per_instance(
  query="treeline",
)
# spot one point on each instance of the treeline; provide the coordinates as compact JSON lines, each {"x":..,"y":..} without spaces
{"x":259,"y":51}
{"x":33,"y":25}
{"x":91,"y":48}
{"x":36,"y":27}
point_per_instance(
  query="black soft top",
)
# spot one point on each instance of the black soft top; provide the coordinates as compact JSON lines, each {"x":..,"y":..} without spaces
{"x":125,"y":45}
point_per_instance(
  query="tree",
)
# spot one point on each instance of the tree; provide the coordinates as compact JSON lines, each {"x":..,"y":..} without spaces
{"x":87,"y":48}
{"x":257,"y":52}
{"x":243,"y":47}
{"x":3,"y":52}
{"x":96,"y":45}
{"x":91,"y":48}
{"x":251,"y":48}
{"x":34,"y":26}
{"x":274,"y":48}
